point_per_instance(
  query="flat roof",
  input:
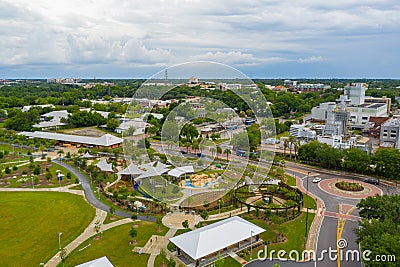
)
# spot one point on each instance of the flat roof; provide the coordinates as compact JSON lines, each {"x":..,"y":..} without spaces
{"x":105,"y":140}
{"x":214,"y":237}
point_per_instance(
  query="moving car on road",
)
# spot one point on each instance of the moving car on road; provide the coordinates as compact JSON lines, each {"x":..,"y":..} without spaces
{"x":371,"y":181}
{"x":316,"y":180}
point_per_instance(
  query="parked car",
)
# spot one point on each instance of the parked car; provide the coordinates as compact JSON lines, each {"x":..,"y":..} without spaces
{"x":371,"y":181}
{"x":316,"y":180}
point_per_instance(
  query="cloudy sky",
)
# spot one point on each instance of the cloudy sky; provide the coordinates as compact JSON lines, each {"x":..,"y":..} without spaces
{"x":262,"y":38}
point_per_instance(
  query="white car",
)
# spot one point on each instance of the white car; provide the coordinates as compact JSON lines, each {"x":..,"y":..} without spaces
{"x":316,"y":180}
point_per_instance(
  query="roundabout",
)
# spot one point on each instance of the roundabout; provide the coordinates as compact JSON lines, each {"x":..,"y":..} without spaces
{"x":333,"y":186}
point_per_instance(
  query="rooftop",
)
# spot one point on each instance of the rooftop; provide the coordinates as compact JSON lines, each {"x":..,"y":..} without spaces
{"x":214,"y":237}
{"x":105,"y":140}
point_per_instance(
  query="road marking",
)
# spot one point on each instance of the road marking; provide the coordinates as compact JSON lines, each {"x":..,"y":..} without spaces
{"x":339,"y":232}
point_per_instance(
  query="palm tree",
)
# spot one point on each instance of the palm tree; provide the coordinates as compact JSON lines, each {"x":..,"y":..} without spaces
{"x":296,"y":149}
{"x":187,"y":145}
{"x":227,"y":151}
{"x":291,"y":143}
{"x":213,"y":149}
{"x":219,"y":150}
{"x":285,"y":145}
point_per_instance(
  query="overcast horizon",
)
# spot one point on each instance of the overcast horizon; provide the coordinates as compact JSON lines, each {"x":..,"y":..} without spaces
{"x":345,"y":39}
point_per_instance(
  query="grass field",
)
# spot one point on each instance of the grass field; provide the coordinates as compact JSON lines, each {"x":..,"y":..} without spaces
{"x":293,"y":230}
{"x":114,"y":243}
{"x":30,"y":223}
{"x":43,"y":182}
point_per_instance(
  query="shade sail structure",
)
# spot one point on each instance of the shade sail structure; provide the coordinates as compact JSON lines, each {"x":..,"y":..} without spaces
{"x":151,"y":171}
{"x":104,"y":166}
{"x":87,"y":156}
{"x":132,"y":169}
{"x":178,"y":171}
{"x":215,"y":237}
{"x":145,"y":170}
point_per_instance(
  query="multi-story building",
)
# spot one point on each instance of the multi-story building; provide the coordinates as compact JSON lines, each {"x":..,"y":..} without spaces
{"x":390,"y":133}
{"x":355,"y":92}
{"x":300,"y":131}
{"x":311,"y":87}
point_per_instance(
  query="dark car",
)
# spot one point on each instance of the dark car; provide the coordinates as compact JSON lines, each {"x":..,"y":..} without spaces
{"x":183,"y":152}
{"x":371,"y":181}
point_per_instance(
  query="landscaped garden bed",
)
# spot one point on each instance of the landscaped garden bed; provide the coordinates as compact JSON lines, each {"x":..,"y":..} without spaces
{"x":349,"y":186}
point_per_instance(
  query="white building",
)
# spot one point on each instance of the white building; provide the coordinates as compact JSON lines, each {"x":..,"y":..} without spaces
{"x":52,"y":119}
{"x":201,"y":246}
{"x":356,"y":93}
{"x":138,"y":125}
{"x":359,"y":115}
{"x":27,"y":108}
{"x":300,"y":131}
{"x":390,"y":133}
{"x":320,"y":113}
{"x":100,"y":262}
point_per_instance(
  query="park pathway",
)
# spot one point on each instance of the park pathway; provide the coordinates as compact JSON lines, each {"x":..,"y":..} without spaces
{"x":87,"y":233}
{"x":92,"y":199}
{"x":155,"y":244}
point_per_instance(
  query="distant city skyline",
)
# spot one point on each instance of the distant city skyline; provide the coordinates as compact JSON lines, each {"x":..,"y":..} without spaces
{"x":262,"y":39}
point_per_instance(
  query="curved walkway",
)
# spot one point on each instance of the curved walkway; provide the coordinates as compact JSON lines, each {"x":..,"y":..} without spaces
{"x":91,"y":198}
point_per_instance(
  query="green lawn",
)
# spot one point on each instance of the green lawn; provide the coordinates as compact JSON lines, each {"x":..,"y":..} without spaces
{"x":294,"y":231}
{"x":115,"y":218}
{"x":309,"y":202}
{"x":53,"y":182}
{"x":230,"y":262}
{"x":291,"y":180}
{"x":114,"y":244}
{"x":30,"y":223}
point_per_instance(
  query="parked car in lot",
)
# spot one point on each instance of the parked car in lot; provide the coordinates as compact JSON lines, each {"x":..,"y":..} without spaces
{"x":316,"y":180}
{"x":371,"y":181}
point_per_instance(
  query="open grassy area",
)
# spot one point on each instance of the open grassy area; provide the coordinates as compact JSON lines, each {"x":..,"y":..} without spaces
{"x":112,"y":218}
{"x":114,"y":243}
{"x":23,"y":176}
{"x":293,"y":231}
{"x":309,"y":202}
{"x":31,"y":221}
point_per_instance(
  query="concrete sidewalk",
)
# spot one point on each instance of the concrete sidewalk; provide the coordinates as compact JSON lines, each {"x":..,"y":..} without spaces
{"x":316,"y":223}
{"x":88,"y":233}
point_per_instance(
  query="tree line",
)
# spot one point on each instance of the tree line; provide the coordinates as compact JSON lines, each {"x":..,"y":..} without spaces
{"x":384,"y":163}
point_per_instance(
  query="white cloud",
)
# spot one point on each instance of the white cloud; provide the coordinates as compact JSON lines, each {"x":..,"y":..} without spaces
{"x":154,"y":32}
{"x":311,"y":59}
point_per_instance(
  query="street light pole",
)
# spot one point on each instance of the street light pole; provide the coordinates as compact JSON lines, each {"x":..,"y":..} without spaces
{"x":251,"y":245}
{"x":33,"y":184}
{"x":219,"y":206}
{"x":59,"y":239}
{"x":305,"y":236}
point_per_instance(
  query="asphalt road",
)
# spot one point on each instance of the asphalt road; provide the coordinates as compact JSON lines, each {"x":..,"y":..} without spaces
{"x":91,"y":198}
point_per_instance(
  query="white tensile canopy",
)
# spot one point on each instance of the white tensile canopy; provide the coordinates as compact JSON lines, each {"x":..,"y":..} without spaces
{"x":87,"y":156}
{"x":215,"y":237}
{"x":104,"y":166}
{"x":145,"y":170}
{"x":132,"y":169}
{"x":178,"y":171}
